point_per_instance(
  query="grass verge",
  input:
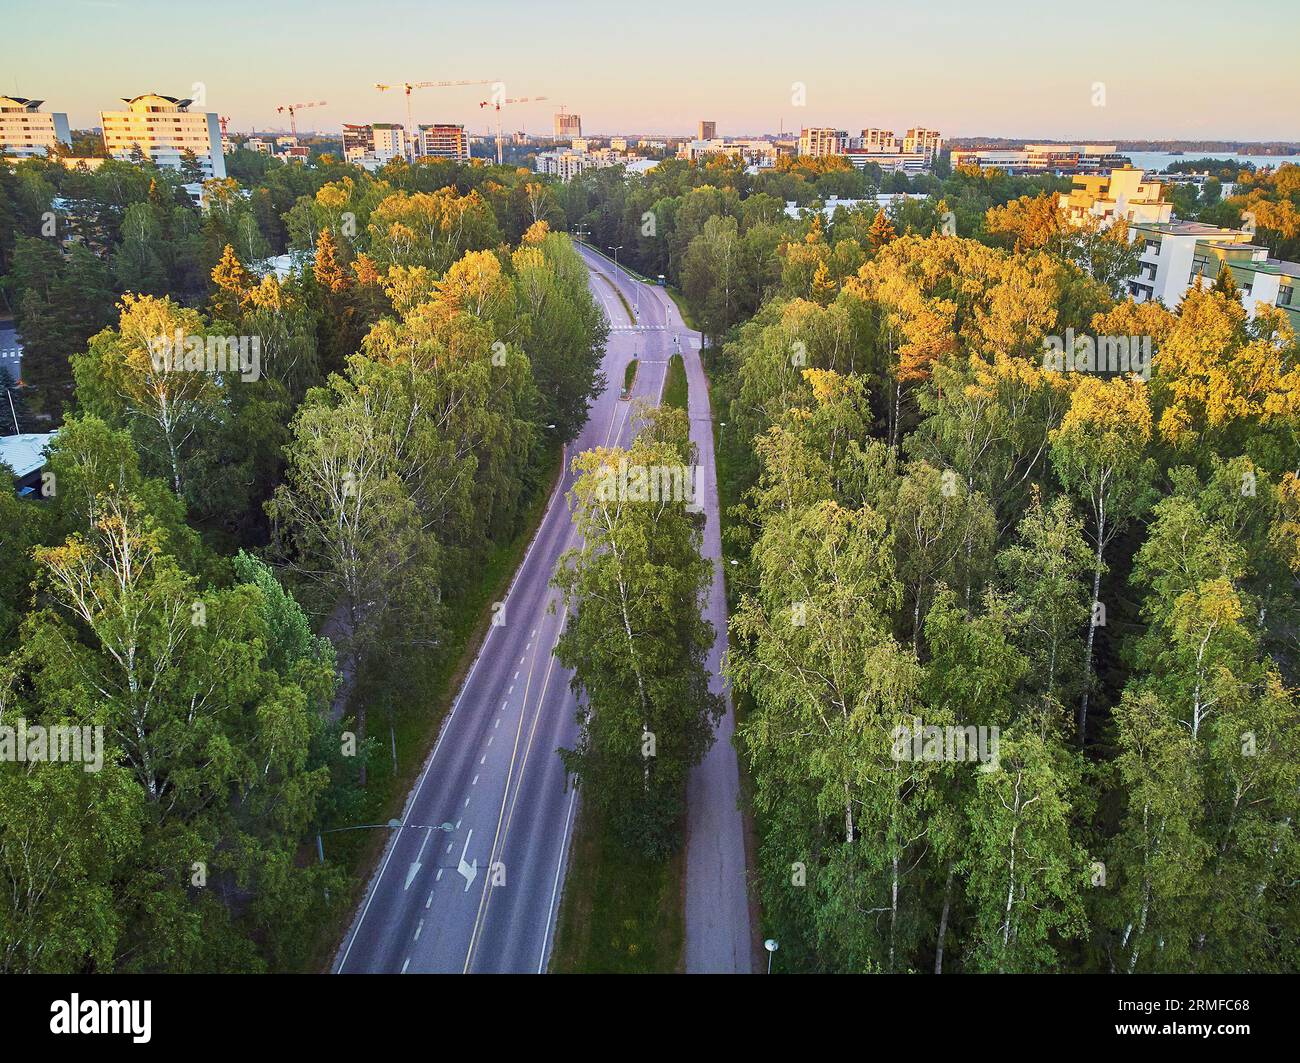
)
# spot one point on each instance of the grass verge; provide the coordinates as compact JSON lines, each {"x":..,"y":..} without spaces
{"x":627,"y":307}
{"x":675,"y":387}
{"x":683,"y":307}
{"x":621,"y":913}
{"x":629,"y":377}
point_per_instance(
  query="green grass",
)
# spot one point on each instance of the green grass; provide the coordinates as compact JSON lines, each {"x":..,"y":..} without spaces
{"x":675,"y":387}
{"x":621,"y":913}
{"x":429,"y":681}
{"x":629,"y":376}
{"x":683,"y":307}
{"x":627,"y":307}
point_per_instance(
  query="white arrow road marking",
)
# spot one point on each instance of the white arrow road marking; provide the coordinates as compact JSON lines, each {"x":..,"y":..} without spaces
{"x":468,"y":871}
{"x":410,"y":875}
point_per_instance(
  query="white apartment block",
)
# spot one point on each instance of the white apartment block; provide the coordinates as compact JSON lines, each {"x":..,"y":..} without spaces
{"x":753,"y":151}
{"x":25,"y":130}
{"x":389,"y":142}
{"x":1176,"y":254}
{"x":163,"y":128}
{"x":875,"y":140}
{"x":443,"y":141}
{"x":565,"y":163}
{"x":922,"y":141}
{"x":820,"y":141}
{"x":1121,"y":194}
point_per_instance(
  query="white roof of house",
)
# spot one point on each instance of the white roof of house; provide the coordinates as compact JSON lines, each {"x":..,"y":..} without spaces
{"x":25,"y":453}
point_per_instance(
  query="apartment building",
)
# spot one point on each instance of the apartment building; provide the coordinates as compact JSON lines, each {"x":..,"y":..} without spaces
{"x":163,"y":129}
{"x":821,"y":141}
{"x":921,"y":141}
{"x":443,"y":141}
{"x":358,"y":141}
{"x":708,"y":131}
{"x":26,"y":130}
{"x":389,"y":142}
{"x":1120,"y":194}
{"x":878,"y":141}
{"x":565,"y":163}
{"x":1176,"y":254}
{"x":751,"y":151}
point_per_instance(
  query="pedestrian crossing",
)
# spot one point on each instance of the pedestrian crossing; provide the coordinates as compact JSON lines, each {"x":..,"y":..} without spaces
{"x":637,"y":328}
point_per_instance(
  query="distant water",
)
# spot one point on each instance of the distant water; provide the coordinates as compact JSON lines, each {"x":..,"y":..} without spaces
{"x":1155,"y":161}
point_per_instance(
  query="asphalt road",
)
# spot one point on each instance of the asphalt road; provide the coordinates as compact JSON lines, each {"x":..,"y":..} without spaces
{"x":718,"y":931}
{"x":472,"y":879}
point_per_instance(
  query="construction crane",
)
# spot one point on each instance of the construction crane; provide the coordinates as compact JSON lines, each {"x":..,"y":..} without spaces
{"x":497,"y":104}
{"x":409,"y":85}
{"x":292,"y":108}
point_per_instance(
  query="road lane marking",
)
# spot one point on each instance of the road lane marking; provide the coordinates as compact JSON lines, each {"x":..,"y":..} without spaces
{"x":555,"y":889}
{"x":557,"y":493}
{"x":498,"y":843}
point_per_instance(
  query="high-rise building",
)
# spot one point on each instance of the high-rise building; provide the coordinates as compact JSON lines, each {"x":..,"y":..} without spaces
{"x":389,"y":141}
{"x":1176,"y":255}
{"x":25,"y":130}
{"x":822,"y":141}
{"x":358,"y":140}
{"x":163,"y":129}
{"x":1122,"y":194}
{"x":567,"y":126}
{"x":923,"y":141}
{"x":875,"y":140}
{"x":708,"y":130}
{"x":443,"y":141}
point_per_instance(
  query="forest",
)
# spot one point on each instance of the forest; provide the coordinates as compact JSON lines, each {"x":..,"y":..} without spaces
{"x":251,"y":585}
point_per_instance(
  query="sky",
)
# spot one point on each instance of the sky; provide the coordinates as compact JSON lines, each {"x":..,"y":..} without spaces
{"x":1097,"y":70}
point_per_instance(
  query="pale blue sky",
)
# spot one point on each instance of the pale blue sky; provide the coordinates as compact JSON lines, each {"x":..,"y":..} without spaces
{"x":1016,"y":68}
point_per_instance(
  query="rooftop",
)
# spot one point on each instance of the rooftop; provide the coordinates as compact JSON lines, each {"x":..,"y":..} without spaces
{"x":25,"y":453}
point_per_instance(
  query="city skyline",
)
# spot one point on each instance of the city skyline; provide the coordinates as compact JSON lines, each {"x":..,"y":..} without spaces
{"x":1125,"y":73}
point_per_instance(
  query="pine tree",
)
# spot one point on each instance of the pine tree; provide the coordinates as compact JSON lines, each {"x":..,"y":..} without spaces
{"x":881,"y":232}
{"x":233,"y":284}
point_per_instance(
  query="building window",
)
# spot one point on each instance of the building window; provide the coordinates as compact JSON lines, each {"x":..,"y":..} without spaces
{"x":1285,"y":294}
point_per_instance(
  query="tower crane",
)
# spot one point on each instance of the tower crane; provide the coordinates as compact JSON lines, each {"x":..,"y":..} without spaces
{"x":292,"y":108}
{"x":497,"y":104}
{"x":407,"y":86}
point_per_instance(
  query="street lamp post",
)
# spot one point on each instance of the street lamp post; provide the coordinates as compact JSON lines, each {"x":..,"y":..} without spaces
{"x":771,"y":945}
